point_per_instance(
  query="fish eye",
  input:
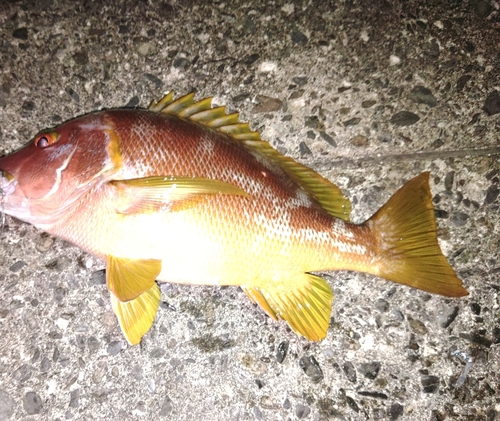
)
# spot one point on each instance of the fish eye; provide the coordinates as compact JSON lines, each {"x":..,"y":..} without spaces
{"x":46,"y":139}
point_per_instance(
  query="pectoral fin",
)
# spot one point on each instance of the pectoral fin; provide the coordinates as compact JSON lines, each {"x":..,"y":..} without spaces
{"x":136,"y":316}
{"x":170,"y":193}
{"x":127,"y":279}
{"x":305,"y":304}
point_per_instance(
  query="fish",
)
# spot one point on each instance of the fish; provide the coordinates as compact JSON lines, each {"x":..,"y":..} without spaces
{"x":183,"y":192}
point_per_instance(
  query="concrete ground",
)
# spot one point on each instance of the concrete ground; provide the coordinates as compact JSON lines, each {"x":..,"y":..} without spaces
{"x":369,"y":94}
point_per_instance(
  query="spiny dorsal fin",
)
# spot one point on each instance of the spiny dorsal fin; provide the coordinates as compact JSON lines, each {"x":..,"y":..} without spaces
{"x":202,"y":112}
{"x":329,"y":196}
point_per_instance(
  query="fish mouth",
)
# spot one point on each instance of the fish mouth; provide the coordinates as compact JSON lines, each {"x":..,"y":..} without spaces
{"x":7,"y":184}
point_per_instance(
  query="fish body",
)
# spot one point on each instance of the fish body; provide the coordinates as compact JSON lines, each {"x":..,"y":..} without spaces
{"x":183,"y":192}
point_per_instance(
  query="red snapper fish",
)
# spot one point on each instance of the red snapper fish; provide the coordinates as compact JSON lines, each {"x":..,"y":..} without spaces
{"x":183,"y":192}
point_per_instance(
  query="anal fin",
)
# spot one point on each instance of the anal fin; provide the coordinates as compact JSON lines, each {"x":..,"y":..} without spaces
{"x":136,"y":316}
{"x":305,"y":303}
{"x":129,"y":278}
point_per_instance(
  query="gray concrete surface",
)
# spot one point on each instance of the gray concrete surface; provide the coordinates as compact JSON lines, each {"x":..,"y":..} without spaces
{"x":325,"y":83}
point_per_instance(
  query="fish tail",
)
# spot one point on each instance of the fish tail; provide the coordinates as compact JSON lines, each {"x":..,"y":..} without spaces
{"x":407,"y":249}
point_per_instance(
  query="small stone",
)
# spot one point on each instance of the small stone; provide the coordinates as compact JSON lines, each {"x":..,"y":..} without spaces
{"x":282,"y":351}
{"x":98,"y":277}
{"x":32,"y":403}
{"x":417,"y":326}
{"x":496,"y":335}
{"x":298,"y":37}
{"x":459,"y":219}
{"x":491,"y":194}
{"x":182,"y":63}
{"x":462,"y":80}
{"x":267,"y":104}
{"x":395,"y":411}
{"x":352,"y":403}
{"x":81,"y":58}
{"x":240,"y":97}
{"x":257,"y":412}
{"x":250,"y":59}
{"x":156,"y":81}
{"x":328,"y":139}
{"x":299,"y":80}
{"x":398,"y":314}
{"x":166,"y":407}
{"x":20,"y":33}
{"x":376,"y":395}
{"x":28,"y":105}
{"x":16,"y":267}
{"x":304,"y":149}
{"x":475,"y":308}
{"x":45,"y":243}
{"x":287,"y":404}
{"x":349,"y":371}
{"x":6,"y":405}
{"x":430,"y":383}
{"x":359,"y":141}
{"x":312,"y":122}
{"x":385,"y":137}
{"x":370,"y":370}
{"x":45,"y":365}
{"x":404,"y":118}
{"x":422,"y":95}
{"x":302,"y":411}
{"x":22,"y":374}
{"x":74,"y":96}
{"x":448,"y":316}
{"x":157,"y":352}
{"x":296,"y":94}
{"x":368,"y":104}
{"x":311,"y":368}
{"x":437,"y":144}
{"x":448,"y":180}
{"x":55,"y":335}
{"x":93,"y":344}
{"x":147,"y":49}
{"x":74,"y":398}
{"x":382,"y":305}
{"x":492,"y":103}
{"x":115,"y":347}
{"x":351,"y":122}
{"x":132,"y":102}
{"x":477,"y":338}
{"x":482,"y":8}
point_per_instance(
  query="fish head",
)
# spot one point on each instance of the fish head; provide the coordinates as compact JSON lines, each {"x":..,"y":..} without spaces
{"x":50,"y":173}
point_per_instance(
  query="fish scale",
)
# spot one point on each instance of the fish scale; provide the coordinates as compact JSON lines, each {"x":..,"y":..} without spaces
{"x":184,"y":193}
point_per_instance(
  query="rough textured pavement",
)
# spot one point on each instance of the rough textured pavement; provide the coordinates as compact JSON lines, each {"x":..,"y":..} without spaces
{"x":368,"y":93}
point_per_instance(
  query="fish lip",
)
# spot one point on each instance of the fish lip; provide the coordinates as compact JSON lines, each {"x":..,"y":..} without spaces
{"x":8,"y":183}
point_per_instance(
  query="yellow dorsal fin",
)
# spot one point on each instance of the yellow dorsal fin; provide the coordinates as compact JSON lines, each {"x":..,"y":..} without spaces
{"x":129,"y":278}
{"x":305,"y":303}
{"x":149,"y":194}
{"x":329,"y":196}
{"x":136,"y":316}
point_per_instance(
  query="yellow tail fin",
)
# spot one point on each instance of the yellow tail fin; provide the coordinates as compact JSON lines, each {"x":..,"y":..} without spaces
{"x":405,"y":234}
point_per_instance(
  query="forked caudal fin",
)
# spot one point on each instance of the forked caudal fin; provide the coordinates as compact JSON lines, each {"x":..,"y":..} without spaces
{"x":407,"y":248}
